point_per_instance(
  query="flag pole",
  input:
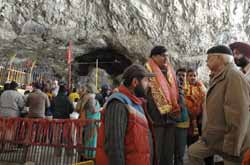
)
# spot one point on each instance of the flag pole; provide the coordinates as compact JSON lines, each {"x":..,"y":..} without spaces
{"x":96,"y":75}
{"x":69,"y":76}
{"x":69,"y":54}
{"x":29,"y":79}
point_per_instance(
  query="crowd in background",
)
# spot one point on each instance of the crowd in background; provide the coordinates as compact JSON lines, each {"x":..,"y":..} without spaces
{"x":49,"y":99}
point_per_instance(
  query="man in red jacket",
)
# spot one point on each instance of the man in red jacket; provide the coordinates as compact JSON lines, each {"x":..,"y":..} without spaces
{"x":124,"y":137}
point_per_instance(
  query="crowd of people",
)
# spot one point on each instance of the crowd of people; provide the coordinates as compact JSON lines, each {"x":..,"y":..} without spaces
{"x":157,"y":113}
{"x":52,"y":100}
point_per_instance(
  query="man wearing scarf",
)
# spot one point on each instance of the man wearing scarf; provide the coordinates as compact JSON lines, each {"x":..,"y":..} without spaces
{"x":124,"y":137}
{"x":195,"y":93}
{"x":163,"y":105}
{"x":241,"y":53}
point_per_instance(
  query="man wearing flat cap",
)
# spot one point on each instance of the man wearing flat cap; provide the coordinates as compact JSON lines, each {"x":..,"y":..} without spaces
{"x":241,"y":53}
{"x":163,"y":104}
{"x":124,"y":137}
{"x":227,"y":131}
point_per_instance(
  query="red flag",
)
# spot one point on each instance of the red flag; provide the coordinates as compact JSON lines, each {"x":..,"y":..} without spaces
{"x":69,"y":53}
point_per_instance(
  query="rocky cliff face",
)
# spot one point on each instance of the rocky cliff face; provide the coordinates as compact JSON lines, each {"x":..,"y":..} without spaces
{"x":40,"y":29}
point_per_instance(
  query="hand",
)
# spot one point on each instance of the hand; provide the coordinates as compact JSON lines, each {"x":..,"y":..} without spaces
{"x":196,"y":132}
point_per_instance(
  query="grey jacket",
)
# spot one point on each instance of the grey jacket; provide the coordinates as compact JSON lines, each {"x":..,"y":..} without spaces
{"x":11,"y":103}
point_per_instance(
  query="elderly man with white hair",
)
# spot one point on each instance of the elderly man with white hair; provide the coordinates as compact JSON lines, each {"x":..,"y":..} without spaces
{"x":227,"y":130}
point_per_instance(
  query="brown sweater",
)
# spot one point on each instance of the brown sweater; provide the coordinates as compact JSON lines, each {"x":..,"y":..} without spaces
{"x":37,"y":102}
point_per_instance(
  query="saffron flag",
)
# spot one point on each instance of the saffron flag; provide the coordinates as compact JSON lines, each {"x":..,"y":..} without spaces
{"x":69,"y":53}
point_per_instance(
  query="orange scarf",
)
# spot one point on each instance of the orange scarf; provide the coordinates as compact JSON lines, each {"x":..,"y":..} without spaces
{"x":164,"y":88}
{"x":194,"y":97}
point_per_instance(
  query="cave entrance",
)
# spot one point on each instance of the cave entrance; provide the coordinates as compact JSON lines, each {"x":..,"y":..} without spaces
{"x":109,"y":60}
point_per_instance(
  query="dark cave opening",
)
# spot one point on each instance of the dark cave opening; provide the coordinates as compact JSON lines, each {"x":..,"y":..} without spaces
{"x":112,"y":61}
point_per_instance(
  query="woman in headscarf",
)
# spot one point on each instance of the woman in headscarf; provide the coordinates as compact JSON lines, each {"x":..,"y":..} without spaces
{"x":88,"y":108}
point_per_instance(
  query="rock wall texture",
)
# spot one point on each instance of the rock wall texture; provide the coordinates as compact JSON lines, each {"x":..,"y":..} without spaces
{"x":40,"y":29}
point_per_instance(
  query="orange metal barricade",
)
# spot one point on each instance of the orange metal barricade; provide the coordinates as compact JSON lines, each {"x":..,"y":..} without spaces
{"x":16,"y":75}
{"x":45,"y":141}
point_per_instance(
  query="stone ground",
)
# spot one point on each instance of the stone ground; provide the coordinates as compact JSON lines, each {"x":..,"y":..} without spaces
{"x":32,"y":163}
{"x":27,"y":163}
{"x":40,"y":155}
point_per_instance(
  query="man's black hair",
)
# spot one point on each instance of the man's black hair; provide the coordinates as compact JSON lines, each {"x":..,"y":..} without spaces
{"x":62,"y":89}
{"x":135,"y":71}
{"x":158,"y":50}
{"x":191,"y":70}
{"x":74,"y":90}
{"x":181,"y":70}
{"x":13,"y":85}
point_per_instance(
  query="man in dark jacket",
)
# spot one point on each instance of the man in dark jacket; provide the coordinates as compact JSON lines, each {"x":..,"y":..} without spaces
{"x":104,"y":94}
{"x":61,"y":105}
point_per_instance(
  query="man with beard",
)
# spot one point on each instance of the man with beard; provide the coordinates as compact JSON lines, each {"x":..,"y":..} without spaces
{"x":163,"y":107}
{"x":124,"y":137}
{"x":241,"y":53}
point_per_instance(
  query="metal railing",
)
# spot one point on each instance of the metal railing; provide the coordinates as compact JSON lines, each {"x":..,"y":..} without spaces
{"x":44,"y":141}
